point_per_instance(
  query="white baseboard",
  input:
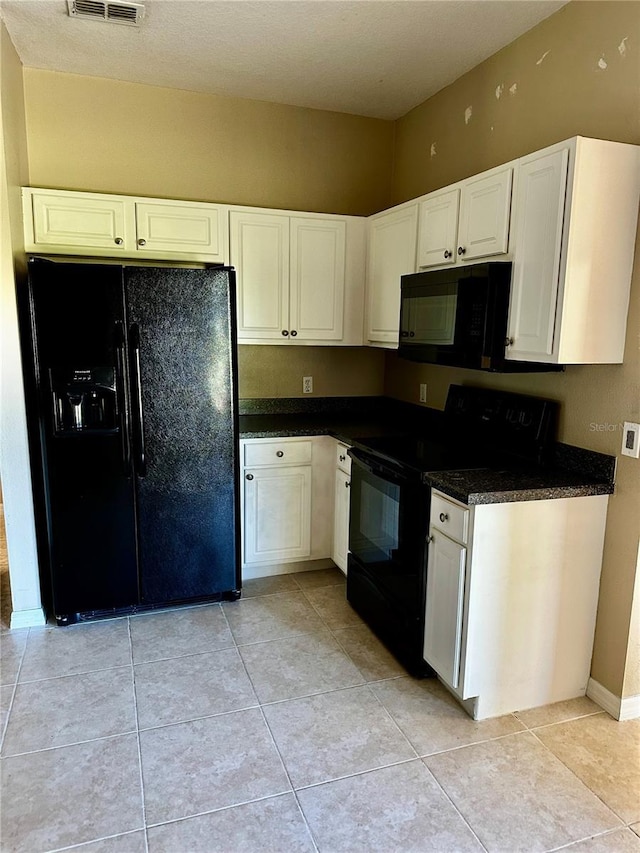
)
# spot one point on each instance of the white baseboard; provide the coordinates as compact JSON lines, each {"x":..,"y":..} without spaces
{"x":28,"y":618}
{"x":619,"y":709}
{"x":265,"y":570}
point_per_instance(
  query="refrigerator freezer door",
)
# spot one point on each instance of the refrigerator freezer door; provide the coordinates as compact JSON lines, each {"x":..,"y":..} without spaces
{"x":78,"y":432}
{"x":182,"y":359}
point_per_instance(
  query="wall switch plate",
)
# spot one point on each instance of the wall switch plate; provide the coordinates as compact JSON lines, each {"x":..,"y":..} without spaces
{"x":631,"y":440}
{"x":307,"y":384}
{"x":423,"y":392}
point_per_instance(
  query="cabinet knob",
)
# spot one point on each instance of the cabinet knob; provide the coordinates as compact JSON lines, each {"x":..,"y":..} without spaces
{"x":461,"y":250}
{"x":444,"y":516}
{"x":412,"y":334}
{"x":142,"y":242}
{"x":508,"y":342}
{"x":447,"y":253}
{"x":342,"y":458}
{"x":293,"y":333}
{"x":346,"y":484}
{"x":285,"y":333}
{"x":280,"y":454}
{"x":404,"y":334}
{"x":118,"y":241}
{"x":430,"y":539}
{"x":249,"y":476}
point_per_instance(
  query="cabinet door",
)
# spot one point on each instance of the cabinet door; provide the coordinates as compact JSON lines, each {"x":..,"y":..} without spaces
{"x":317,"y":278}
{"x":174,"y":229}
{"x":539,"y":215}
{"x":392,"y":253}
{"x":438,"y":229}
{"x":444,"y":609}
{"x":484,"y":216}
{"x":260,"y":254}
{"x":277,"y":514}
{"x":341,"y":520}
{"x":87,"y":222}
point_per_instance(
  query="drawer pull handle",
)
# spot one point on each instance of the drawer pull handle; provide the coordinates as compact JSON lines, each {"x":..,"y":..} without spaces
{"x":280,"y":454}
{"x":249,"y":476}
{"x":444,"y":516}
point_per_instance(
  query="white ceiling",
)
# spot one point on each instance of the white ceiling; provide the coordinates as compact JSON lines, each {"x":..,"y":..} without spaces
{"x":376,"y":58}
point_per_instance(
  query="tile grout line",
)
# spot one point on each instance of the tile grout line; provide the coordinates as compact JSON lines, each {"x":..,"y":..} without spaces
{"x":570,"y":844}
{"x":13,"y":693}
{"x":93,"y":841}
{"x":454,"y":806}
{"x":284,"y":766}
{"x":135,"y":706}
{"x":573,"y":772}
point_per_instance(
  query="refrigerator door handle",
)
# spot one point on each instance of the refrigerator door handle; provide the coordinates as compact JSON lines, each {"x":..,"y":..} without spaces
{"x":123,"y":402}
{"x":141,"y":462}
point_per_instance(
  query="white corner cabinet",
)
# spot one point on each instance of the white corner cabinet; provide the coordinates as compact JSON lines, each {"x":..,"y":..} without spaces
{"x":575,"y":221}
{"x":391,"y":253}
{"x":100,"y":225}
{"x":286,"y":498}
{"x":342,"y":492}
{"x":469,"y":220}
{"x":300,"y":277}
{"x":512,"y":593}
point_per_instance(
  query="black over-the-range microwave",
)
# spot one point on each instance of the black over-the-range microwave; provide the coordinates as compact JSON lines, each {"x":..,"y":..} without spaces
{"x":458,"y":317}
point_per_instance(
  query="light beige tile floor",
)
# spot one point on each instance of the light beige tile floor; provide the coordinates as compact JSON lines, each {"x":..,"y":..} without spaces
{"x":277,"y":724}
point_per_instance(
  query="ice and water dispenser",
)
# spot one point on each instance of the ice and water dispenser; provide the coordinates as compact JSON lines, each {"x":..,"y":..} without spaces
{"x":84,"y":400}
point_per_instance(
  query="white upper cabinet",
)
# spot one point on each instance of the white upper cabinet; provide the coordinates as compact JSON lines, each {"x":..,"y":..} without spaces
{"x":439,"y":229}
{"x":318,"y":248}
{"x":300,"y":278}
{"x":94,"y":224}
{"x":73,"y":221}
{"x":467,"y":221}
{"x":260,"y":254}
{"x":391,"y":254}
{"x":173,"y":228}
{"x":576,"y":214}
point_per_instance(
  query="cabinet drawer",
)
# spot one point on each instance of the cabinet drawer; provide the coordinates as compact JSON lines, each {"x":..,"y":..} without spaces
{"x":277,"y":452}
{"x":343,"y":460}
{"x":449,"y":518}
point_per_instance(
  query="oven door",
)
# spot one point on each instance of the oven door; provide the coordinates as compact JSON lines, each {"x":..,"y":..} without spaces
{"x":388,"y":525}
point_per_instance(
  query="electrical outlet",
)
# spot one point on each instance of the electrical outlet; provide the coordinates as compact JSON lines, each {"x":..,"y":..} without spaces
{"x":631,"y":440}
{"x":307,"y":384}
{"x":423,"y":392}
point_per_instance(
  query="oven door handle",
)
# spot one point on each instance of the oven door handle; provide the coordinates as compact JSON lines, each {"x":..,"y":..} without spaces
{"x":374,"y":466}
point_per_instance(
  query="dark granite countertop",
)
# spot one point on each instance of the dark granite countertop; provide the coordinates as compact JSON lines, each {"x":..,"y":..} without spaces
{"x":573,"y":471}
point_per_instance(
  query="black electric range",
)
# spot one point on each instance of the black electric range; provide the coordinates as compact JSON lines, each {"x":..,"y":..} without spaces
{"x":390,"y":502}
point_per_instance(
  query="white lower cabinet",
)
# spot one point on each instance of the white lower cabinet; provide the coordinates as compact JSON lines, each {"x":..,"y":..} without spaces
{"x":342,"y":494}
{"x":445,"y":599}
{"x":512,"y":593}
{"x":287,"y":502}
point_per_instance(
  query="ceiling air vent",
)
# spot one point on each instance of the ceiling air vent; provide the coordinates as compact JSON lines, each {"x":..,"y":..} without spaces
{"x":130,"y":14}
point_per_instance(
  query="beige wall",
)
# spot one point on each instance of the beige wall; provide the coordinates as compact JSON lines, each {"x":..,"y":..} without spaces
{"x":558,"y":96}
{"x":87,"y":133}
{"x":277,"y":371}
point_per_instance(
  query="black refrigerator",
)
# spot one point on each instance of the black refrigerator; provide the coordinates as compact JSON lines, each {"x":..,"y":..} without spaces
{"x":131,"y":382}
